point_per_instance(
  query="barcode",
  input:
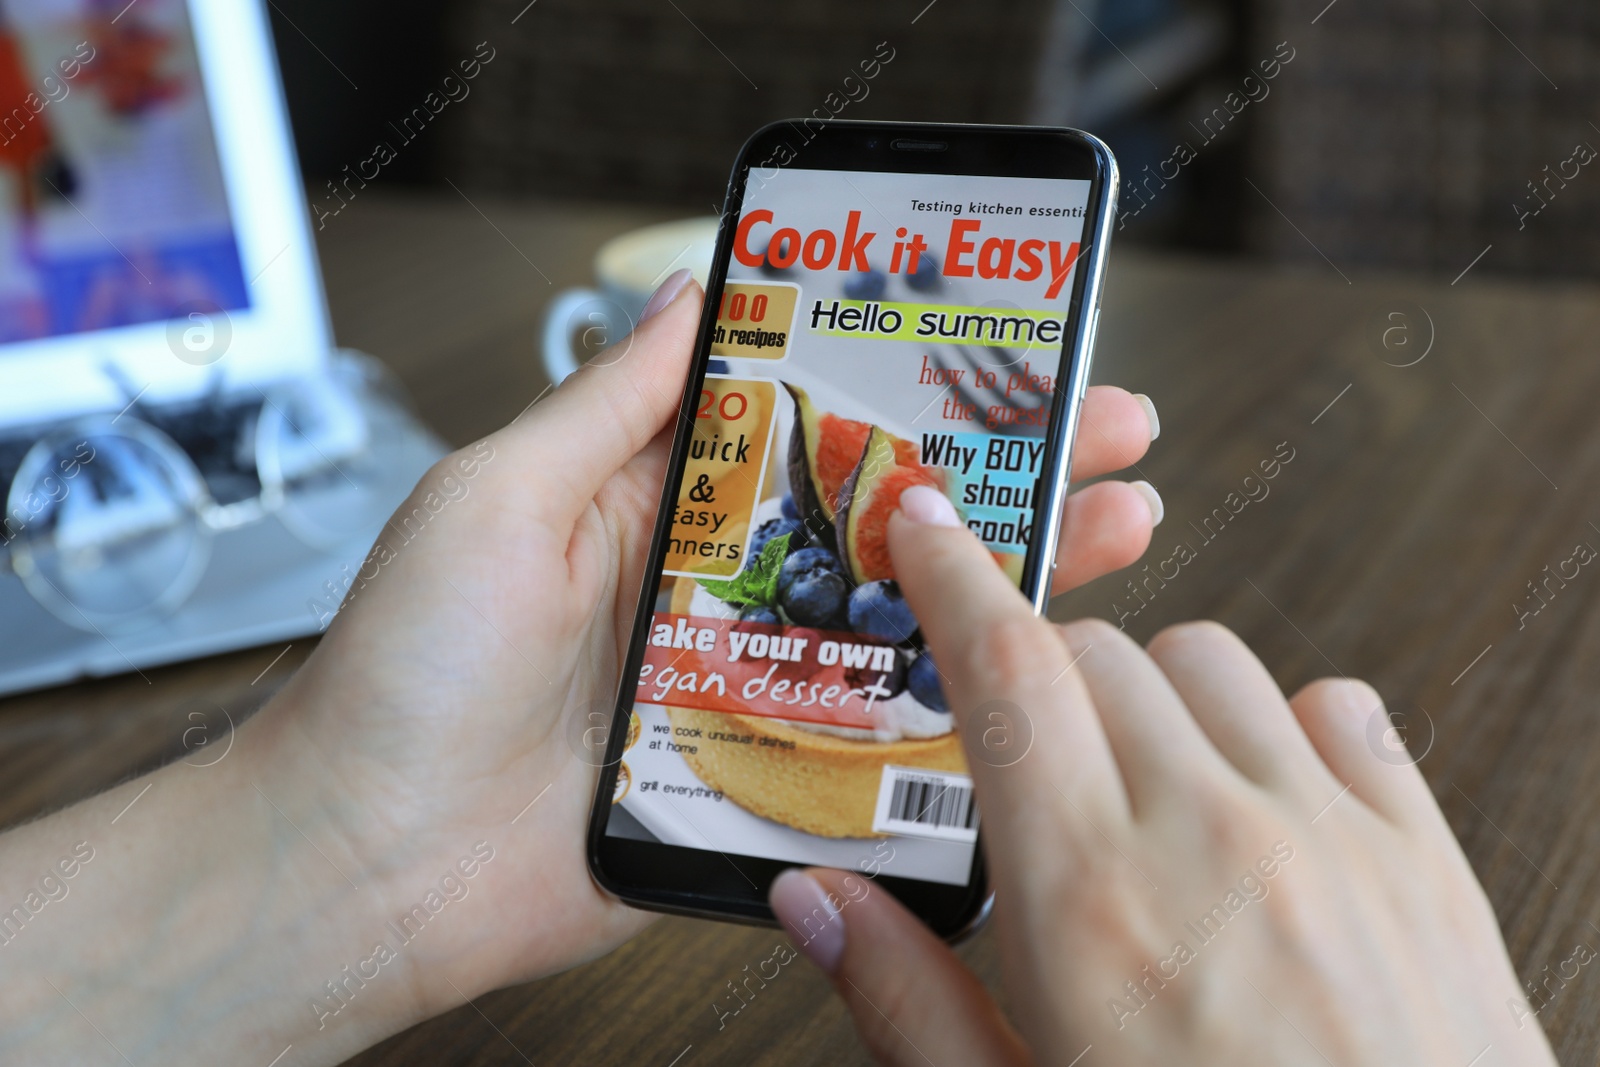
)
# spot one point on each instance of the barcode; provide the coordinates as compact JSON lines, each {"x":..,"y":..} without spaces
{"x":924,"y":803}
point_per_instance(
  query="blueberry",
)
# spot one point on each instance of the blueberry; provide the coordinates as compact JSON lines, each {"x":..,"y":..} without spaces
{"x":785,"y":247}
{"x":879,"y":609}
{"x":895,"y":682}
{"x":812,"y":589}
{"x":760,"y":614}
{"x":809,"y":561}
{"x":926,"y":277}
{"x":865,"y":285}
{"x":924,"y":682}
{"x":789,"y":508}
{"x":817,"y":602}
{"x":777,"y":528}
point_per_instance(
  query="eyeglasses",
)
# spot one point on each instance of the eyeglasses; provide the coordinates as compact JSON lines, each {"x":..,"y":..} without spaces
{"x":110,"y":519}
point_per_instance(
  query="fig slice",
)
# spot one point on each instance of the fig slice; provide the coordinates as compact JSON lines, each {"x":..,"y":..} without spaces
{"x":868,"y":497}
{"x":824,"y":449}
{"x":810,"y":494}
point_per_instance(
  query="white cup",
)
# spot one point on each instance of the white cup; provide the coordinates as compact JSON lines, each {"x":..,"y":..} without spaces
{"x":627,"y":269}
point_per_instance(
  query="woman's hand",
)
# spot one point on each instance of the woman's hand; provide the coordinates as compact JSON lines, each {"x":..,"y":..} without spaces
{"x":452,"y":689}
{"x":439,"y":721}
{"x":1187,"y":867}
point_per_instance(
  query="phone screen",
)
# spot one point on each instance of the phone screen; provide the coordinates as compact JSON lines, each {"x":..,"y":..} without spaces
{"x":873,"y":331}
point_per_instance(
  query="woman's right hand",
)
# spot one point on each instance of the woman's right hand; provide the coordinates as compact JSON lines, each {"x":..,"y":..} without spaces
{"x":1188,"y":868}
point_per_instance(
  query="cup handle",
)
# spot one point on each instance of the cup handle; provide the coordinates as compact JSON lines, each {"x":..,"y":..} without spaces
{"x":556,"y":350}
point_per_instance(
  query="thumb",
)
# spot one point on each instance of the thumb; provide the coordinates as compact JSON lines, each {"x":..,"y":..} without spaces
{"x":615,"y":404}
{"x":907,"y":993}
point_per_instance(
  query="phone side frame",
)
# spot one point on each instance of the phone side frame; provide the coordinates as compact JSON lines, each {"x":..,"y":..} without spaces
{"x":1064,"y":421}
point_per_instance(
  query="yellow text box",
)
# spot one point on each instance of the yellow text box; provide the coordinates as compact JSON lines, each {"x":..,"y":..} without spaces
{"x":755,"y":320}
{"x":727,"y":462}
{"x":883,"y":320}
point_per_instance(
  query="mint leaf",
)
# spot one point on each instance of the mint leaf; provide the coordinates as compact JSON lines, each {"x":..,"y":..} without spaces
{"x":767,"y":567}
{"x":757,"y":585}
{"x":735,"y":591}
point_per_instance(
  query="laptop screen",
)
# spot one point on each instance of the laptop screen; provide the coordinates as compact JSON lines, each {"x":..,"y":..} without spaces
{"x":113,"y":208}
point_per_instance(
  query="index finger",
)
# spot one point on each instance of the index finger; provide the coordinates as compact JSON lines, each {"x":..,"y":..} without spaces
{"x":1031,"y":734}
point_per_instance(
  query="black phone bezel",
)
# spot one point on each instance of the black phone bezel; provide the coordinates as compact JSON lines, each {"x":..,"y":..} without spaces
{"x":711,"y":884}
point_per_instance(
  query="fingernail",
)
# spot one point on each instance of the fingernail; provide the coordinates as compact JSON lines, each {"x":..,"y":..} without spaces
{"x":925,"y":504}
{"x":1150,"y":413}
{"x":802,"y":905}
{"x":1359,"y":696}
{"x":1152,"y":499}
{"x":665,"y":293}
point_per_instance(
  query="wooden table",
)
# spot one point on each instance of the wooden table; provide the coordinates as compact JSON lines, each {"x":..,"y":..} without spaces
{"x":1397,"y":544}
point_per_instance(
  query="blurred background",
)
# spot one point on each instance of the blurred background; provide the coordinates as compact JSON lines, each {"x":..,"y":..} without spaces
{"x":1301,"y":175}
{"x":1406,"y":135}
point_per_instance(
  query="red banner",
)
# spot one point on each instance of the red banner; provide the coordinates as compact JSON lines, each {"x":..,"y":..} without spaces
{"x":753,"y":668}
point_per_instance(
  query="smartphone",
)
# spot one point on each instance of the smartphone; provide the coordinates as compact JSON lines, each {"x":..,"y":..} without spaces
{"x":889,"y":304}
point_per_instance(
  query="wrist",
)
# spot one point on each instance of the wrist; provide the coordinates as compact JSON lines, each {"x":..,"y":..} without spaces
{"x":334,"y":851}
{"x":201,"y":920}
{"x":388,"y":864}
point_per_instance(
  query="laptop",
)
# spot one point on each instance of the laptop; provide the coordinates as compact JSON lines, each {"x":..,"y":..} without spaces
{"x":187,"y":463}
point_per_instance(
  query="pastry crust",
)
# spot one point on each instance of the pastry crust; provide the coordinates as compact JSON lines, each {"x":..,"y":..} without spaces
{"x":818,"y":783}
{"x":823,"y":784}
